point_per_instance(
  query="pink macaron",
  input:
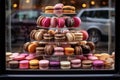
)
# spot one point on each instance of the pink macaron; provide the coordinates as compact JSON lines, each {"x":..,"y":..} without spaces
{"x":14,"y":55}
{"x":92,"y":58}
{"x":77,"y":21}
{"x":58,"y":53}
{"x":46,"y":22}
{"x":43,"y":64}
{"x":24,"y":54}
{"x":61,"y":22}
{"x":98,"y":64}
{"x":53,"y":22}
{"x":76,"y":63}
{"x":58,"y":49}
{"x":58,"y":9}
{"x":30,"y":57}
{"x":24,"y":64}
{"x":19,"y":57}
{"x":85,"y":34}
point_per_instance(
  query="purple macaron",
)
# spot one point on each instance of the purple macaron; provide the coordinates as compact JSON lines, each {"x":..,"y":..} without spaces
{"x":54,"y":64}
{"x":98,"y":64}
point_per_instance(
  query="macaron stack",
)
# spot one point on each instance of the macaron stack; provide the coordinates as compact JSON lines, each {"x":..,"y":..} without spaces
{"x":58,"y":51}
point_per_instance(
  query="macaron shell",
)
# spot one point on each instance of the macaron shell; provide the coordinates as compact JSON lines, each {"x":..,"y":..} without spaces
{"x":58,"y":53}
{"x":32,"y":48}
{"x":76,"y":65}
{"x":85,"y":34}
{"x":77,"y":21}
{"x":61,"y":22}
{"x":53,"y":22}
{"x":46,"y":22}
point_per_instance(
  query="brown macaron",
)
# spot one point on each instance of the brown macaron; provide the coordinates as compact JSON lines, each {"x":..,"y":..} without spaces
{"x":49,"y":49}
{"x":59,"y":37}
{"x":39,"y":50}
{"x":86,"y":64}
{"x":32,"y":34}
{"x":78,"y":50}
{"x":47,"y":36}
{"x":85,"y":49}
{"x":70,"y":36}
{"x":91,"y":44}
{"x":25,"y":46}
{"x":38,"y":35}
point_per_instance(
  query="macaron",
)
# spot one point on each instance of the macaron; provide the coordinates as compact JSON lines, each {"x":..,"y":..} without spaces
{"x":54,"y":64}
{"x":8,"y":53}
{"x":61,"y":22}
{"x":69,"y":22}
{"x":77,"y":21}
{"x":13,"y":64}
{"x":46,"y":22}
{"x":38,"y":35}
{"x":30,"y":57}
{"x":85,"y":49}
{"x":52,"y":32}
{"x":47,"y":36}
{"x":59,"y":37}
{"x":86,"y":64}
{"x":65,"y":64}
{"x":40,"y":51}
{"x":24,"y":64}
{"x":91,"y":44}
{"x":43,"y":64}
{"x":25,"y":46}
{"x":32,"y":48}
{"x":92,"y":58}
{"x":58,"y":53}
{"x":85,"y":34}
{"x":53,"y":22}
{"x":78,"y":50}
{"x":49,"y":49}
{"x":39,"y":20}
{"x":14,"y":55}
{"x":98,"y":64}
{"x":19,"y":57}
{"x":104,"y":56}
{"x":58,"y":49}
{"x":24,"y":54}
{"x":78,"y":36}
{"x":58,"y":9}
{"x":108,"y":63}
{"x":76,"y":63}
{"x":34,"y":64}
{"x":70,"y":36}
{"x":69,"y":51}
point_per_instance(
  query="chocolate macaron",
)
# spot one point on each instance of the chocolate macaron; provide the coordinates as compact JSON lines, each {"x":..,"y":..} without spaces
{"x":78,"y":50}
{"x":49,"y":49}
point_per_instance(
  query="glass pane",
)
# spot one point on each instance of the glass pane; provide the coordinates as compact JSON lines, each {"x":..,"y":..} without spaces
{"x":68,"y":34}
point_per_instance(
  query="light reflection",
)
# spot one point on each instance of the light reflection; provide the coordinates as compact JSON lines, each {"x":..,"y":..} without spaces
{"x":84,"y":5}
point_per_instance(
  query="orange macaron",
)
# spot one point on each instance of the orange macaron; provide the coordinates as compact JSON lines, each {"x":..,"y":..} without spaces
{"x":69,"y":51}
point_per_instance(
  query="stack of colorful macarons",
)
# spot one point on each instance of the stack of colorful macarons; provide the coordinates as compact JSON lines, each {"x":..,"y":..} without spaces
{"x":54,"y":35}
{"x":58,"y":22}
{"x":91,"y":61}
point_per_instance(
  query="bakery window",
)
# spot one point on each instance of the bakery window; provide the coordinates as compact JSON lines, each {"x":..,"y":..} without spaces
{"x":54,"y":36}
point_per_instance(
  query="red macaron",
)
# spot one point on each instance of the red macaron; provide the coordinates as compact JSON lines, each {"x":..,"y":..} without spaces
{"x":46,"y":22}
{"x":61,"y":22}
{"x":85,"y":34}
{"x":77,"y":21}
